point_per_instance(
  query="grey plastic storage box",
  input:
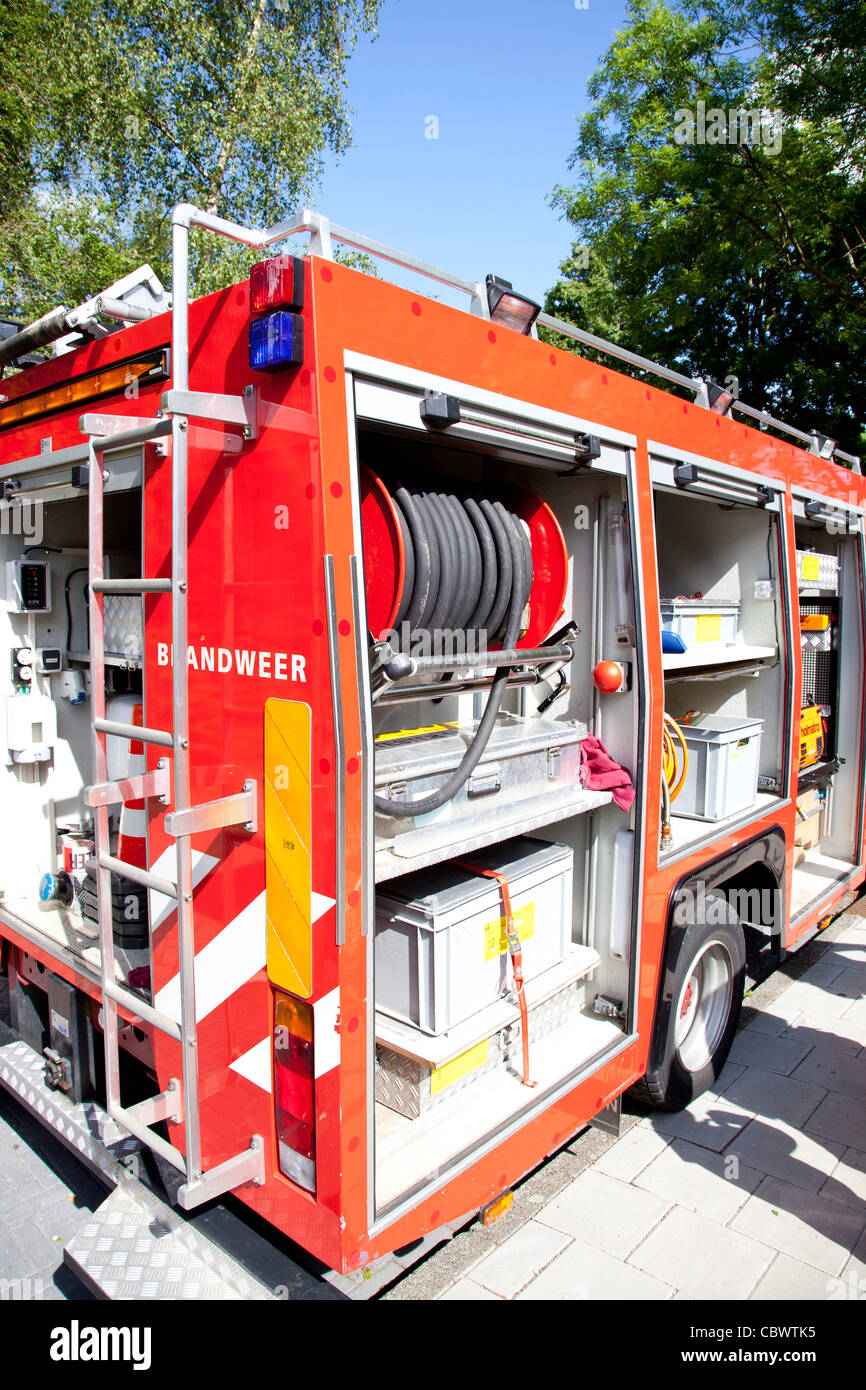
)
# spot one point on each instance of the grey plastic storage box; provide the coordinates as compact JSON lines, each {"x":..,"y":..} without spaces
{"x":441,"y":954}
{"x":701,"y":621}
{"x":724,"y":754}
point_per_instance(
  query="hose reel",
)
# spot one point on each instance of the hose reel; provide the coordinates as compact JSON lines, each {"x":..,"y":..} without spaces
{"x":480,"y":567}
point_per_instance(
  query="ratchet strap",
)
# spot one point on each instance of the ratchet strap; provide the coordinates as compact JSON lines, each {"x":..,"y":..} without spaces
{"x":515,"y":951}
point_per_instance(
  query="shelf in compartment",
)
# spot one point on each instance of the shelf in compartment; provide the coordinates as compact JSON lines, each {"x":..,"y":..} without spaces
{"x":430,"y":844}
{"x":435,"y":1049}
{"x":688,"y":832}
{"x":49,"y":926}
{"x":815,"y":877}
{"x":712,"y":654}
{"x":111,"y":659}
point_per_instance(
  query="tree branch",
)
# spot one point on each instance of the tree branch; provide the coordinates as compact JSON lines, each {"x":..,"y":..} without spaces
{"x":230,"y":133}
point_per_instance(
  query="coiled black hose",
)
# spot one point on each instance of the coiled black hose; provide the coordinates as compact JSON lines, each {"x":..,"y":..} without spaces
{"x":468,"y":569}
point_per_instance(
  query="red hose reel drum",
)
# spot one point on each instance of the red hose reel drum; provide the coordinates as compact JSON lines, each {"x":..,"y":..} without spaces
{"x":385,"y":556}
{"x":384,"y":553}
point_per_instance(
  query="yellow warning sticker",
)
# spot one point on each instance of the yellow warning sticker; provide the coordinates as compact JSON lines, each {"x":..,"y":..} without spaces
{"x":810,"y":567}
{"x":414,"y":733}
{"x":459,"y":1066}
{"x":495,"y":938}
{"x":708,"y":627}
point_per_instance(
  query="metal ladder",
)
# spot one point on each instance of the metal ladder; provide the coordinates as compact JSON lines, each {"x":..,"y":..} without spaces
{"x":180,"y":1099}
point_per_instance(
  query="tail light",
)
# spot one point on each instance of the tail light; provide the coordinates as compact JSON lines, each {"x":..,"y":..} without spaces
{"x":295,"y":1090}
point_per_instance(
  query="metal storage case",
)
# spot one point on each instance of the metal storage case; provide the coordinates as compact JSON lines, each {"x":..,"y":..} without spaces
{"x":521,"y":760}
{"x":441,"y":953}
{"x":724,"y":755}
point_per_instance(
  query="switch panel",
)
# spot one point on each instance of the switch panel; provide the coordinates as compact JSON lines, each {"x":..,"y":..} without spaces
{"x":28,"y":585}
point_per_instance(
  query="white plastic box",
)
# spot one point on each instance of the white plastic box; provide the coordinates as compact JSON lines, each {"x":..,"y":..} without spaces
{"x":724,"y":756}
{"x":700,"y":620}
{"x":441,"y":954}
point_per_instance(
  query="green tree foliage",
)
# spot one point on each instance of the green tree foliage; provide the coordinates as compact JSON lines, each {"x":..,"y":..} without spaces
{"x":730,"y":250}
{"x":228,"y":104}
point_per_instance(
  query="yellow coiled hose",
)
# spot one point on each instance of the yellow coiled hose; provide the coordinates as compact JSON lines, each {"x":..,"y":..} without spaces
{"x":672,"y":785}
{"x":672,"y":735}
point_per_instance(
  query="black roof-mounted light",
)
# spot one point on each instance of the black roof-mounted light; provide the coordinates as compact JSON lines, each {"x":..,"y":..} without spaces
{"x":719,"y":398}
{"x":509,"y":308}
{"x":822,"y":445}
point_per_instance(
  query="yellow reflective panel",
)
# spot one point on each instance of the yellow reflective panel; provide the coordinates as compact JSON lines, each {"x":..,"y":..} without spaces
{"x":288,"y":871}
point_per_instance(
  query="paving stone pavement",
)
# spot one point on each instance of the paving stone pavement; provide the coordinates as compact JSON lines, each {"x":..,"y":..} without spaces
{"x":757,"y":1191}
{"x":46,"y":1195}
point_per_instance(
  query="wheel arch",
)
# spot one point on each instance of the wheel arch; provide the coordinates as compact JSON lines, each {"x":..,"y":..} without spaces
{"x":756,"y":869}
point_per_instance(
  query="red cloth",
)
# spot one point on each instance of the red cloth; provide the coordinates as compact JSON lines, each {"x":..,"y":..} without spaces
{"x":601,"y":773}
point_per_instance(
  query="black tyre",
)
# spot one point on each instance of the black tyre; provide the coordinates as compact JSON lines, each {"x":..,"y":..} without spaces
{"x":699,"y":1010}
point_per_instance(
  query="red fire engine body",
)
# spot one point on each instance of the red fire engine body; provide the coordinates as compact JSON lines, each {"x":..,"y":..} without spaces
{"x":291,"y":543}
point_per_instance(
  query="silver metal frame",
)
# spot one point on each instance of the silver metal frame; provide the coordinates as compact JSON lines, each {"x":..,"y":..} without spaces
{"x":339,"y":750}
{"x":106,"y":432}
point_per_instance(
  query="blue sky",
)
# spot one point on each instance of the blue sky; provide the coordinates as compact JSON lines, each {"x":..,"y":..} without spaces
{"x":506,"y":81}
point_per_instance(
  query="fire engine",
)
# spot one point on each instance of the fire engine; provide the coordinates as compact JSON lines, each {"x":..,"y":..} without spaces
{"x":407,"y":729}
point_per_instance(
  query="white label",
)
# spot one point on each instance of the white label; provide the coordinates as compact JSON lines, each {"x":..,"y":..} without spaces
{"x":59,"y":1024}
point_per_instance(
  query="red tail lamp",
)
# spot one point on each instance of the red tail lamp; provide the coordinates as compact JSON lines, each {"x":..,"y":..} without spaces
{"x":295,"y":1090}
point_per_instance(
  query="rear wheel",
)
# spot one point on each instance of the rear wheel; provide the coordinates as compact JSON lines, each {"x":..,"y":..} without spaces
{"x":694,"y":1032}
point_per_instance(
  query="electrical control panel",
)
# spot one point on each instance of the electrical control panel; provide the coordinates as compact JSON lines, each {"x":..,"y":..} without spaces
{"x":28,"y":585}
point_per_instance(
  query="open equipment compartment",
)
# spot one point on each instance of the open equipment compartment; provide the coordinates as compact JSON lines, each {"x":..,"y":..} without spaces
{"x":443,"y":1092}
{"x":720,"y":563}
{"x":830,"y":579}
{"x":49,"y":895}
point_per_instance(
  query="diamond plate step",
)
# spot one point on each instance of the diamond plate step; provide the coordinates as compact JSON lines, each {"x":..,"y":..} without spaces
{"x":136,"y":1247}
{"x":22,"y":1072}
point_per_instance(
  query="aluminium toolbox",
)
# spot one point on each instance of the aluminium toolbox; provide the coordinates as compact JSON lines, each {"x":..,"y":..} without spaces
{"x":724,"y":756}
{"x":698,"y":620}
{"x":523,"y":759}
{"x":817,"y":572}
{"x":412,"y":1087}
{"x":441,"y":949}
